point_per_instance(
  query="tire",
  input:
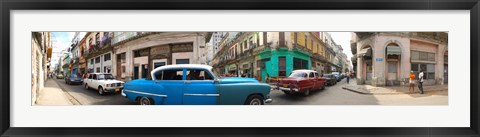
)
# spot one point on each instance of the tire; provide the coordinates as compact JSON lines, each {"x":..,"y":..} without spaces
{"x":145,"y":101}
{"x":306,"y":92}
{"x":254,"y":100}
{"x":324,"y":85}
{"x":100,"y":91}
{"x":86,"y":86}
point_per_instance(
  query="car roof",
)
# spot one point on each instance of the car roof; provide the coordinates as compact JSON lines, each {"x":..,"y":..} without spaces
{"x":196,"y":66}
{"x":304,"y":70}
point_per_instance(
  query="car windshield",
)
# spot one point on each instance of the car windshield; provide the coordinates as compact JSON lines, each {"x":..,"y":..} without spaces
{"x":105,"y":76}
{"x":74,"y":76}
{"x":298,"y":75}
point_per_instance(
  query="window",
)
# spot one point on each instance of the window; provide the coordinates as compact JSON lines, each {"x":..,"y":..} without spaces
{"x":423,"y":56}
{"x":91,"y":61}
{"x":197,"y":74}
{"x":251,"y":41}
{"x":281,"y":40}
{"x":106,"y":57}
{"x":430,"y":71}
{"x":97,"y":37}
{"x":182,"y":61}
{"x":98,"y":69}
{"x":158,"y":75}
{"x":97,"y":60}
{"x":311,"y":75}
{"x":316,"y":75}
{"x":299,"y":64}
{"x":264,"y":38}
{"x":174,"y":74}
{"x":392,"y":67}
{"x":94,"y":76}
{"x":282,"y":66}
{"x":90,"y":76}
{"x":263,"y":63}
{"x":158,"y":64}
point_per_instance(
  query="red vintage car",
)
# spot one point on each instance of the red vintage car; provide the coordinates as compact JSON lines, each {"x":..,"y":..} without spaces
{"x":301,"y":81}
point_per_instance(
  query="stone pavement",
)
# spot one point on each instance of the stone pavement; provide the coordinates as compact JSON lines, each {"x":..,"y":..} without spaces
{"x":52,"y":94}
{"x":392,"y":90}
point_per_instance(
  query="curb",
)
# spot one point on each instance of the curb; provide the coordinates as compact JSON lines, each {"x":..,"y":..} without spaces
{"x":357,"y":91}
{"x":398,"y":93}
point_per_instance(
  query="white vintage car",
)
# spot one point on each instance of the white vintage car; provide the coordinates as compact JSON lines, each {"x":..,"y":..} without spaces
{"x":102,"y":82}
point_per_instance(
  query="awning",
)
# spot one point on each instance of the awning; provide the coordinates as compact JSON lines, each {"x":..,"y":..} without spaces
{"x":365,"y":52}
{"x":393,"y":50}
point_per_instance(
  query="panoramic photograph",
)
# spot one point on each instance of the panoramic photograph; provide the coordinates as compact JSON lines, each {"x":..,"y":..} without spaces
{"x":239,"y":68}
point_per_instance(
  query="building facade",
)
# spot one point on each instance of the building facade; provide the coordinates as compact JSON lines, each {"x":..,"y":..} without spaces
{"x":272,"y":54}
{"x":135,"y":54}
{"x":385,"y":59}
{"x":41,"y":55}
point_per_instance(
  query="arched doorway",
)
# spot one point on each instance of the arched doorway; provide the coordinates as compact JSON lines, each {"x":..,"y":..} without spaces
{"x":366,"y":56}
{"x":392,"y":57}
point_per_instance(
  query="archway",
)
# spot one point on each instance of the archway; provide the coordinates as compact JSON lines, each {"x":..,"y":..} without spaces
{"x":393,"y":54}
{"x":366,"y":56}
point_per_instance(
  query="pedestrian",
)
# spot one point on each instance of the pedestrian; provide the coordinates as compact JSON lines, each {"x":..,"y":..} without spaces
{"x":420,"y":81}
{"x":412,"y":82}
{"x":348,"y":77}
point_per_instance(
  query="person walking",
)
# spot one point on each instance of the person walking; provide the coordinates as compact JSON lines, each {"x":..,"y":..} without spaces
{"x":348,"y":77}
{"x":412,"y":82}
{"x":420,"y":81}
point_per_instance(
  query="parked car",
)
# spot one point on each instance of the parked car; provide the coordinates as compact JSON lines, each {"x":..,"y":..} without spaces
{"x":102,"y":82}
{"x":73,"y":79}
{"x":301,"y":81}
{"x":192,"y":84}
{"x":331,"y":79}
{"x":59,"y":76}
{"x":337,"y":76}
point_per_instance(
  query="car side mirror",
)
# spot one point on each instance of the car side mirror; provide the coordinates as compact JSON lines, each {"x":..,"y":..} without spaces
{"x":216,"y":81}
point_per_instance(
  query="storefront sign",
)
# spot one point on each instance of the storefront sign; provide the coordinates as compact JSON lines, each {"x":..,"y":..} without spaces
{"x":379,"y":59}
{"x":183,"y":48}
{"x":160,"y":50}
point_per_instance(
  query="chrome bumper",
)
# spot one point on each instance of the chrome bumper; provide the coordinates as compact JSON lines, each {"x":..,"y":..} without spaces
{"x":288,"y":89}
{"x":268,"y":100}
{"x":123,"y":94}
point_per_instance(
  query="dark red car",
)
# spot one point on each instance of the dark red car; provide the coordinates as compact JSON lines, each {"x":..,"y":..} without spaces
{"x":301,"y":81}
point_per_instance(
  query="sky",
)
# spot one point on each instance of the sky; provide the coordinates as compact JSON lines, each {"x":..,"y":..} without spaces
{"x":343,"y":39}
{"x":60,"y":41}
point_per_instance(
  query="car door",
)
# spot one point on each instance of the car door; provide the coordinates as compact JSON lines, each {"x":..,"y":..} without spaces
{"x":93,"y":84}
{"x":199,"y":88}
{"x":170,"y":84}
{"x":311,"y":80}
{"x":89,"y":81}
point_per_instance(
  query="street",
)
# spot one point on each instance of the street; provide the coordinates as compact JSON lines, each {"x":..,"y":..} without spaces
{"x":331,"y":95}
{"x":82,"y":96}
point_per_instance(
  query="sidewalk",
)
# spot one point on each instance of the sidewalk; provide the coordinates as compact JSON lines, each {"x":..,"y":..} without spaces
{"x":392,"y":90}
{"x":52,"y":94}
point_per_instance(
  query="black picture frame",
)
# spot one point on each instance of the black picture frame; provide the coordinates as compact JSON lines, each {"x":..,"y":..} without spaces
{"x":8,"y":5}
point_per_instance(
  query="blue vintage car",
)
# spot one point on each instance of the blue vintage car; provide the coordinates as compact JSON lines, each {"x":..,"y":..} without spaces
{"x":190,"y":84}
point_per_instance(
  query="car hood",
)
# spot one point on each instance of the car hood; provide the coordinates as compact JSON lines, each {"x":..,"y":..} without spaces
{"x":237,"y":80}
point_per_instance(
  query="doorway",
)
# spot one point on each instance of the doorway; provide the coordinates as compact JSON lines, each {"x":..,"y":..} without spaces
{"x":135,"y":72}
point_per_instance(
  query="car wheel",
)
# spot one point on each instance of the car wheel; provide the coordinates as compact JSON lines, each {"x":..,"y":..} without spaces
{"x":145,"y":101}
{"x":254,"y":100}
{"x":306,"y":93}
{"x":324,"y":85}
{"x":86,"y":86}
{"x":100,"y":91}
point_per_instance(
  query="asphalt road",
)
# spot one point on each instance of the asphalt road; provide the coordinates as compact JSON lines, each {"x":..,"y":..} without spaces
{"x":331,"y":95}
{"x":83,"y":96}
